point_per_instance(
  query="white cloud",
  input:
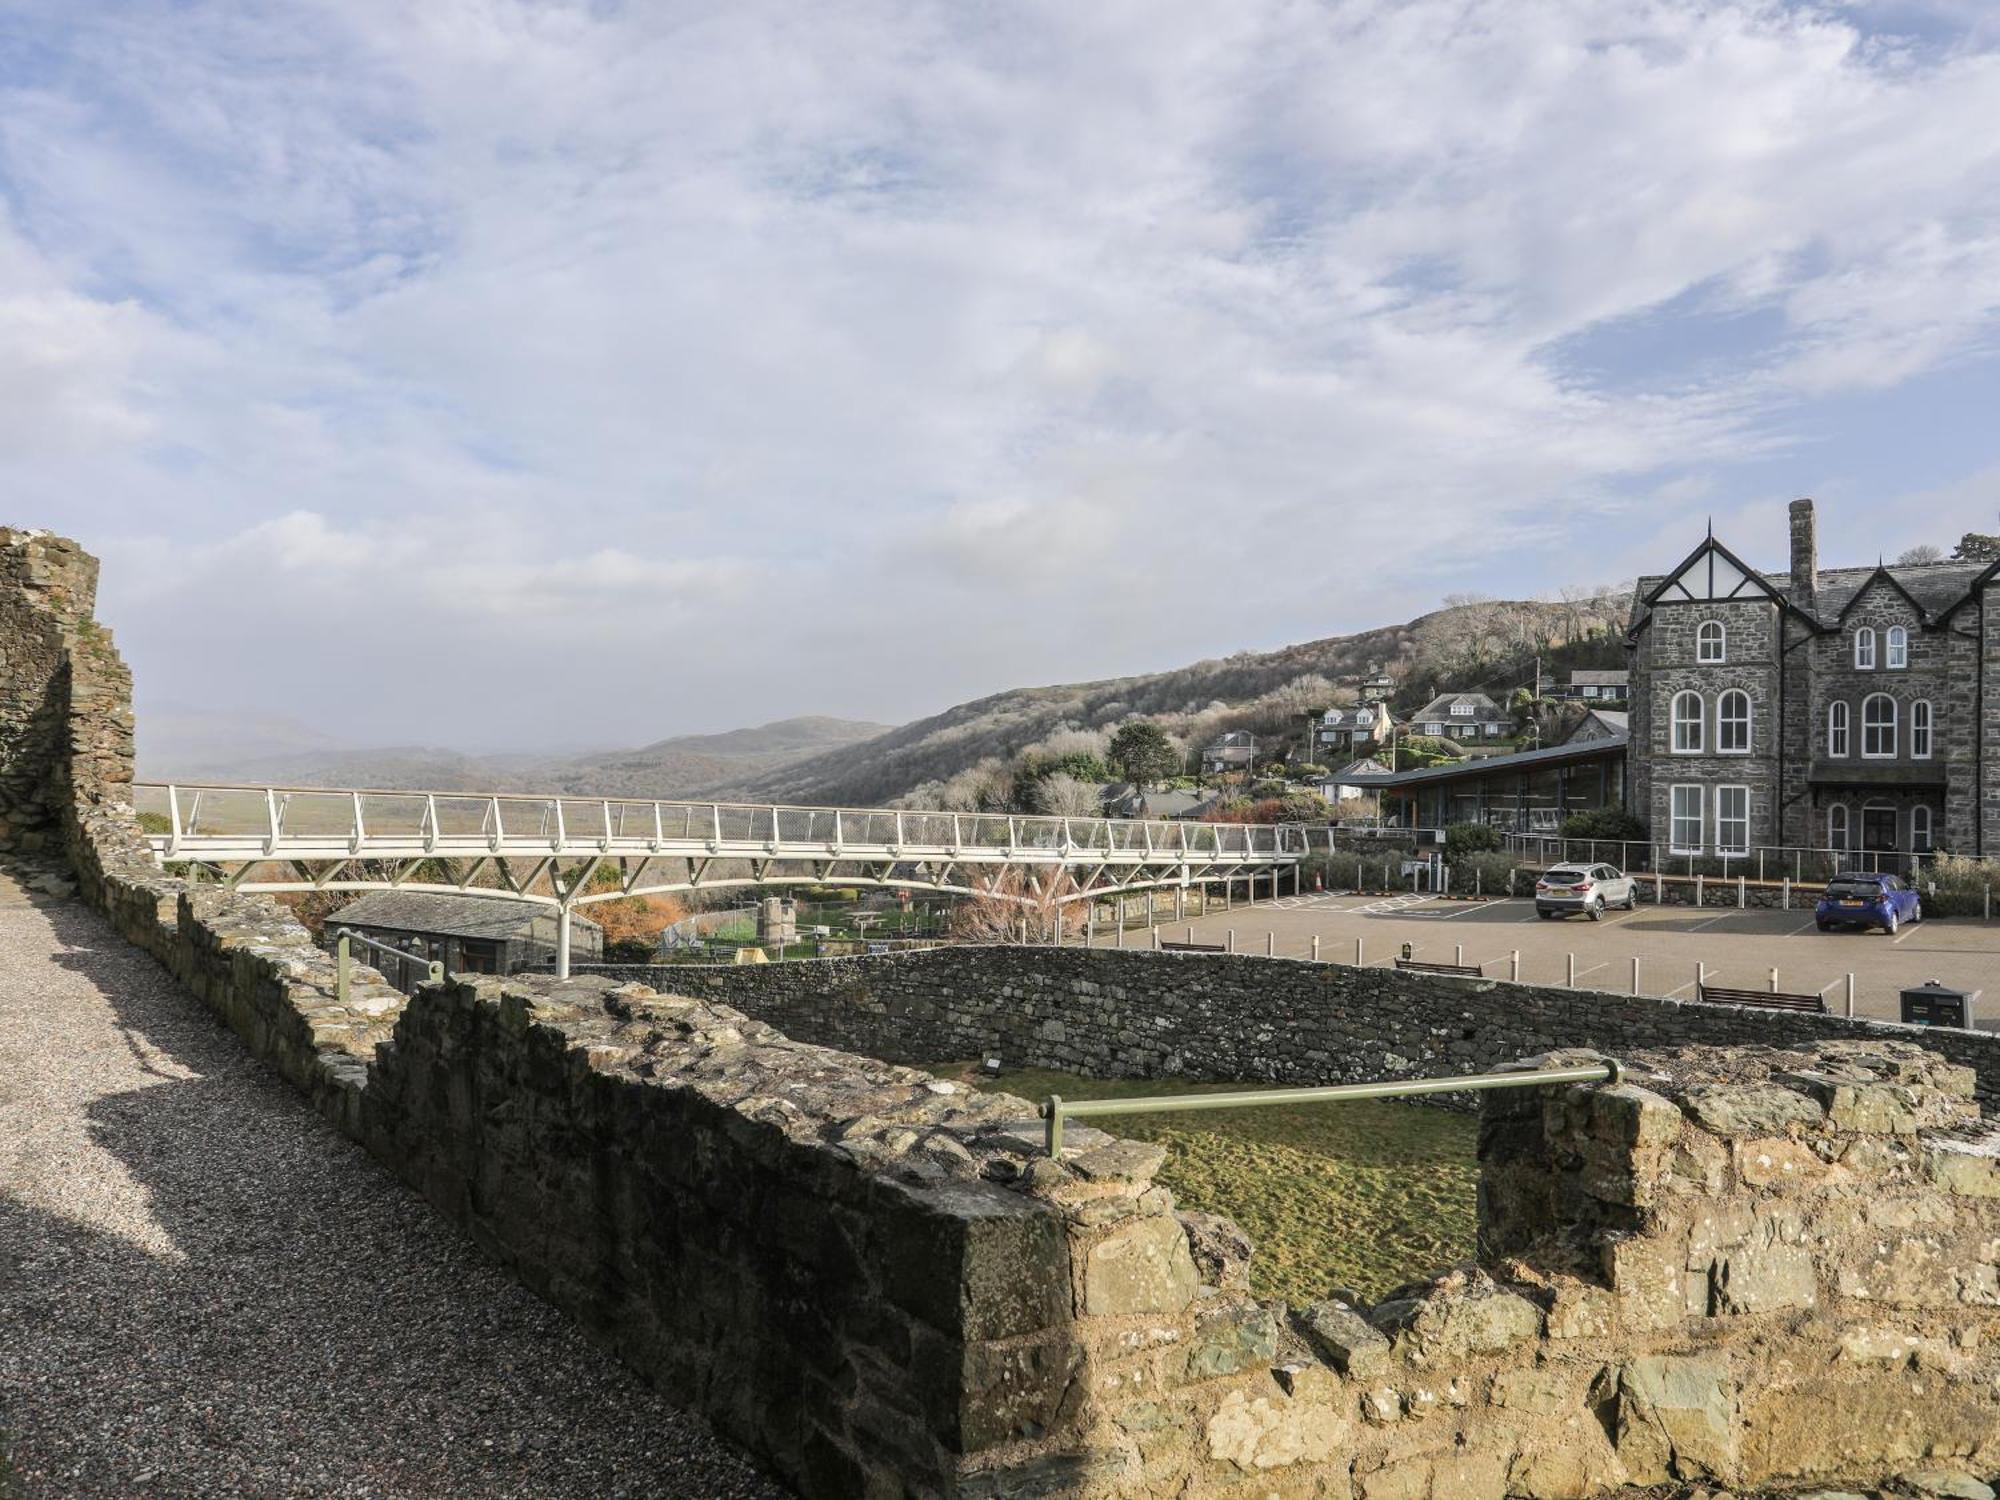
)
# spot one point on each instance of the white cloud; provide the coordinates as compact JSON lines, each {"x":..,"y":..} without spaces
{"x":863,"y":357}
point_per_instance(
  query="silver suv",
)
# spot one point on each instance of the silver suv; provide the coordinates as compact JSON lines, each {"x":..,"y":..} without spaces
{"x":1589,"y":889}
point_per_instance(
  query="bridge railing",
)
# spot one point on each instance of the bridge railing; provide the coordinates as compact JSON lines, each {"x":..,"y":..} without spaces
{"x":240,"y":821}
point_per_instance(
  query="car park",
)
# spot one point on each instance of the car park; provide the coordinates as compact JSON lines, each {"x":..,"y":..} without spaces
{"x":1866,"y":899}
{"x":1589,"y":889}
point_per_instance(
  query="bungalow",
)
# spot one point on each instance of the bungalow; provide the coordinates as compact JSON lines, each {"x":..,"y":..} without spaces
{"x":1466,"y":717}
{"x":1591,"y":686}
{"x":467,"y":934}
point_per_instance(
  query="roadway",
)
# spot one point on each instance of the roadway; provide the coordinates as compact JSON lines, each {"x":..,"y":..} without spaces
{"x":1740,"y":948}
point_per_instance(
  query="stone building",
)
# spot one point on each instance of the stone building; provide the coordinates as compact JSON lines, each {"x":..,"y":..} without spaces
{"x":1852,"y":709}
{"x":467,"y":934}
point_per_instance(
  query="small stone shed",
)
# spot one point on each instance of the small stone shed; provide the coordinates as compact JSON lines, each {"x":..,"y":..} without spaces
{"x":467,"y":934}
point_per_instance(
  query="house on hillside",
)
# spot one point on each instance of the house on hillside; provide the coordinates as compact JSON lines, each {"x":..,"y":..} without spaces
{"x":1592,"y":686}
{"x":1841,"y":708}
{"x":1124,"y":800}
{"x":1342,"y":786}
{"x":1234,"y":751}
{"x":467,"y":934}
{"x":1343,"y":733}
{"x":1466,"y":717}
{"x":1375,"y":684}
{"x":1600,"y":724}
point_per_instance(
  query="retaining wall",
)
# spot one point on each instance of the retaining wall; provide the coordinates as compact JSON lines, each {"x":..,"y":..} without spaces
{"x":1142,"y":1014}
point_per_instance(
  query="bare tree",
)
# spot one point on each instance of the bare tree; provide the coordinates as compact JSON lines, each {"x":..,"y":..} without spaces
{"x":1061,"y":795}
{"x":1923,"y":552}
{"x":1015,"y":906}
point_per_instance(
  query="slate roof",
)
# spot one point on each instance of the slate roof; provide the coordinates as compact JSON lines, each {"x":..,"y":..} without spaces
{"x":1361,"y":717}
{"x":444,"y":916}
{"x":1934,"y":587}
{"x":1488,"y":765}
{"x":1585,"y":677}
{"x":1439,"y":708}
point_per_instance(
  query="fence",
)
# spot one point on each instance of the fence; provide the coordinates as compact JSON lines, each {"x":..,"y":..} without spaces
{"x":1769,"y":863}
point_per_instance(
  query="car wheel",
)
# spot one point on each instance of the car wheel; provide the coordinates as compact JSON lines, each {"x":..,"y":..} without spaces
{"x":1824,"y":926}
{"x":1917,"y":912}
{"x":1891,"y":924}
{"x":1595,"y":911}
{"x":1632,"y":899}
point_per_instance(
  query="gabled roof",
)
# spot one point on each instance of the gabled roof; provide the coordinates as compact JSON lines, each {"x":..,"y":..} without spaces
{"x":1591,"y":677}
{"x":1740,"y":580}
{"x":444,"y":916}
{"x":1439,"y":708}
{"x":1490,"y":765}
{"x":1881,"y":572}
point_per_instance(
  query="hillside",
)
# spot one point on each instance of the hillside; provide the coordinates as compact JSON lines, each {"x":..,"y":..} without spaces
{"x":1476,"y":644}
{"x":695,"y":765}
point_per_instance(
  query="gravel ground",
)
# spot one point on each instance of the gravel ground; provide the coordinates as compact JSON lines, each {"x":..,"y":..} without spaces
{"x":206,"y":1291}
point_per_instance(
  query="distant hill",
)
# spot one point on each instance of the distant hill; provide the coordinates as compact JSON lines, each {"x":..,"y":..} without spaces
{"x":692,"y":766}
{"x":1487,"y":645}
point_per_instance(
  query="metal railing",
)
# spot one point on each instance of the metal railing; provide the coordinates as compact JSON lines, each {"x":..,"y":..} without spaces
{"x":1055,"y":1109}
{"x":243,"y":822}
{"x":343,"y":960}
{"x":1764,"y":862}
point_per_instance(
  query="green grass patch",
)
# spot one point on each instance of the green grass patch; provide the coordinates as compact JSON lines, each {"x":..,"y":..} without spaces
{"x":1366,"y":1194}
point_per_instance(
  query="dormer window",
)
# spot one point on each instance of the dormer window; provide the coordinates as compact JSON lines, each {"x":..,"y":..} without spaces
{"x":1462,"y":710}
{"x":1711,"y":642}
{"x":1864,"y":648}
{"x":1899,"y":648}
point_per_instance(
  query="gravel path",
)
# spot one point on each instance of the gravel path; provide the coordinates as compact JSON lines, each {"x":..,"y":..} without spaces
{"x":206,"y":1291}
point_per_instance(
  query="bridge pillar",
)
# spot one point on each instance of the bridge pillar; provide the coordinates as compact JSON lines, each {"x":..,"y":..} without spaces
{"x":562,"y":941}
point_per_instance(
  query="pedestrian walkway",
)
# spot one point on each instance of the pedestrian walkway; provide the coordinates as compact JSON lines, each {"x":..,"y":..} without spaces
{"x":206,"y":1291}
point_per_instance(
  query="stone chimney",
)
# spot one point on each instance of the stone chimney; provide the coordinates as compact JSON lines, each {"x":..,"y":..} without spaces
{"x":1805,"y":554}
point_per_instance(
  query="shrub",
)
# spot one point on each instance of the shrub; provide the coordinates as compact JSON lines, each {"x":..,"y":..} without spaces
{"x":1463,"y":839}
{"x":1304,"y":807}
{"x":1489,"y":873}
{"x":1608,"y":823}
{"x":1955,"y":886}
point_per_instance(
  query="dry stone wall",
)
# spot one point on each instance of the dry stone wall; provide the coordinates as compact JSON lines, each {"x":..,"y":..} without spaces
{"x":1141,"y":1014}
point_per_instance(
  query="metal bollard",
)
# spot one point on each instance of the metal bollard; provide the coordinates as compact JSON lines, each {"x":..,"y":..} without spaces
{"x":1635,"y":973}
{"x":1572,"y":971}
{"x":1360,"y":948}
{"x":1514,"y":966}
{"x":1741,"y":896}
{"x":1700,"y":977}
{"x":1458,"y":954}
{"x":1659,"y":889}
{"x":1190,"y":936}
{"x":1850,"y":997}
{"x":1788,"y":893}
{"x":1699,"y":899}
{"x":1774,"y":981}
{"x":1270,"y":945}
{"x":1156,"y":940}
{"x":1230,"y":940}
{"x":1315,"y":947}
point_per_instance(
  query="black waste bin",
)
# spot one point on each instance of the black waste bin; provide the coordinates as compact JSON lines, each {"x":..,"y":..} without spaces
{"x":1934,"y":1004}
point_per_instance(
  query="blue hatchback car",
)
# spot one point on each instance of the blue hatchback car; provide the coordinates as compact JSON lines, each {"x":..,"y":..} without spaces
{"x":1859,"y":900}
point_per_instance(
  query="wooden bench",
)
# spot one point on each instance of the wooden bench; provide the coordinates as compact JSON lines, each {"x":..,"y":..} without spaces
{"x":1193,"y":948}
{"x":1716,"y":994}
{"x":1457,"y":971}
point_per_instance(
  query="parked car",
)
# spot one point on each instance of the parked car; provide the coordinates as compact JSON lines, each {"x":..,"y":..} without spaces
{"x":1855,"y":899}
{"x":1568,"y":889}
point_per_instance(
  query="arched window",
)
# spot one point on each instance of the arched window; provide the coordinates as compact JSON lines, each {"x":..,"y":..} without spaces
{"x":1836,"y":730}
{"x":1878,"y":726}
{"x":1836,"y":826}
{"x":1920,"y":829}
{"x":1688,"y":709}
{"x":1711,"y":642}
{"x":1864,"y":648}
{"x":1732,"y":723}
{"x":1920,"y":729}
{"x":1899,"y":647}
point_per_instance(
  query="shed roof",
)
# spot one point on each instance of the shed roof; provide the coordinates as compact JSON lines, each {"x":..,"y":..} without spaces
{"x":496,"y":917}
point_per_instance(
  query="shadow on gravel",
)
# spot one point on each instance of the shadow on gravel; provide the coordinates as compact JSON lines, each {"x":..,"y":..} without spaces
{"x":320,"y":1331}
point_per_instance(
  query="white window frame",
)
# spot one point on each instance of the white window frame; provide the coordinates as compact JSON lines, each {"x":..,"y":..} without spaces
{"x":1896,"y":650}
{"x":1675,"y":816}
{"x":1839,"y":730}
{"x":1463,"y":710}
{"x":1893,"y":727}
{"x":1921,"y":729}
{"x":1839,"y":828}
{"x":1922,"y":834}
{"x":1864,"y":649}
{"x":1722,"y":845}
{"x":1707,"y":632}
{"x":1433,"y":730}
{"x":1723,"y":718}
{"x":1698,"y":740}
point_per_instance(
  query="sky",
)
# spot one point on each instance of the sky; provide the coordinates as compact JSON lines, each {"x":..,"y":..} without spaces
{"x":509,"y":375}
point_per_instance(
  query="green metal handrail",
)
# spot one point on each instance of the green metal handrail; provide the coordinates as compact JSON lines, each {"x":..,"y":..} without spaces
{"x":1055,"y":1109}
{"x":343,"y":960}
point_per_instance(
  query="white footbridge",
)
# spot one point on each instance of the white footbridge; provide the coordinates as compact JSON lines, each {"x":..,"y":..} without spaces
{"x":570,"y":852}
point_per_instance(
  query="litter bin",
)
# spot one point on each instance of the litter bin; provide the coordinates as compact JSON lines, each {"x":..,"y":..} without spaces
{"x":1934,"y":1004}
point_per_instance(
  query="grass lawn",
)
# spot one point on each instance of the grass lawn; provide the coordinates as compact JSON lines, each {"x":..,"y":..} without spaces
{"x":1366,"y":1194}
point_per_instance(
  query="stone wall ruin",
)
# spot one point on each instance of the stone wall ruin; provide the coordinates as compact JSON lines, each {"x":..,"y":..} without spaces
{"x":1741,"y":1266}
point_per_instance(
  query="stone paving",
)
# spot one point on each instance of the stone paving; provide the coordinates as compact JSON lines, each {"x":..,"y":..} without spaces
{"x":206,"y":1290}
